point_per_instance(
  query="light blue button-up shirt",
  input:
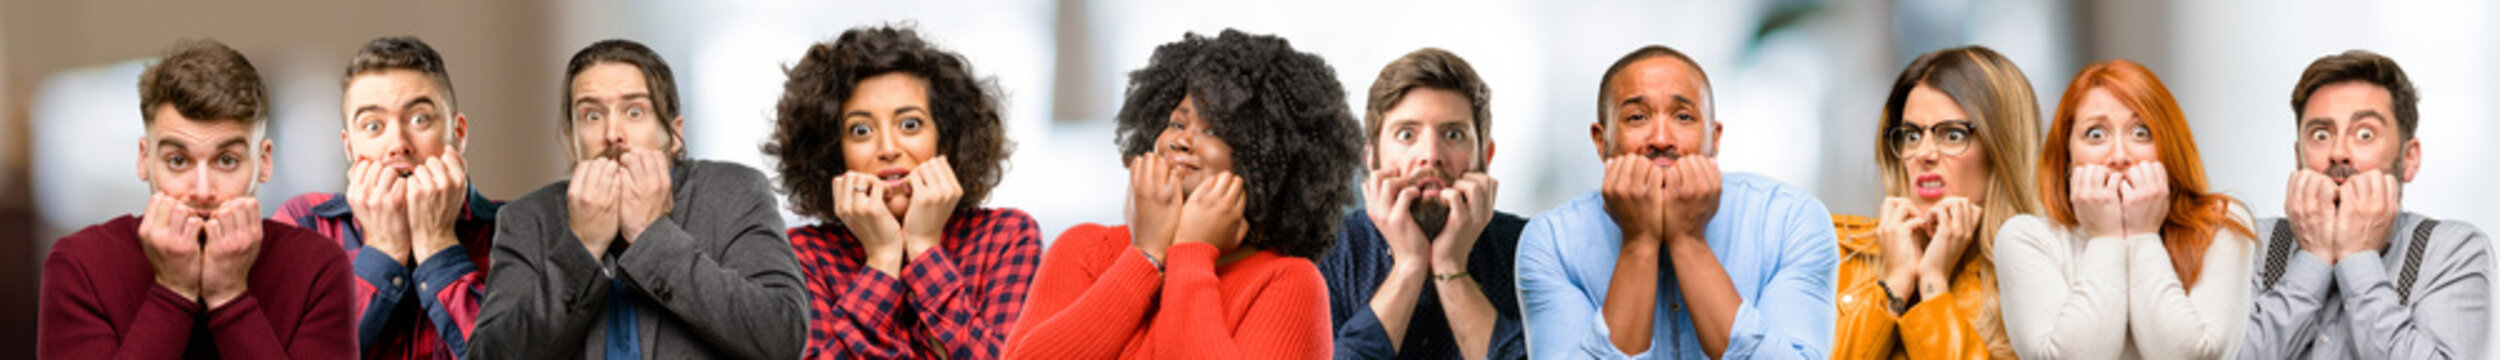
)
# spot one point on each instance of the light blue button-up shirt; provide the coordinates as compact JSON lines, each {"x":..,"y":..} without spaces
{"x":1775,"y":241}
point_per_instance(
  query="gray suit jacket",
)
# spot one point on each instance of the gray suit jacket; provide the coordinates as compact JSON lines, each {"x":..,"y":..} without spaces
{"x":2351,"y":310}
{"x":715,"y":278}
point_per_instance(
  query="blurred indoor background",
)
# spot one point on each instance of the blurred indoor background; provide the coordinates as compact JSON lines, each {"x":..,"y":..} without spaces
{"x":1799,"y":83}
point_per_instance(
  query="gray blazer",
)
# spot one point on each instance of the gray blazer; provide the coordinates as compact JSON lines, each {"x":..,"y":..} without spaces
{"x":2352,"y":310}
{"x":715,"y":278}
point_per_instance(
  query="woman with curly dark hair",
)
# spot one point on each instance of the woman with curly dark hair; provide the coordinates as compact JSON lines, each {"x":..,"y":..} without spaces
{"x":894,"y":143}
{"x":1241,"y":152}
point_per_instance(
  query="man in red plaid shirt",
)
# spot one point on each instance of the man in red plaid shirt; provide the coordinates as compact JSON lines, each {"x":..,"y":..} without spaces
{"x":417,"y":232}
{"x":906,"y":265}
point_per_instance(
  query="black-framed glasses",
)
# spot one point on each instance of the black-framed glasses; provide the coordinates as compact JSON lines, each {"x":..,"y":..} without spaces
{"x":1950,"y":137}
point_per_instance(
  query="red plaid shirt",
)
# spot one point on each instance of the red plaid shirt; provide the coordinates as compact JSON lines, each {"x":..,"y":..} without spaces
{"x":956,"y":301}
{"x":425,"y":312}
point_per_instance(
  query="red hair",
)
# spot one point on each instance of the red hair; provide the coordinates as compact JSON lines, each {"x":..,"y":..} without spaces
{"x":2194,"y":212}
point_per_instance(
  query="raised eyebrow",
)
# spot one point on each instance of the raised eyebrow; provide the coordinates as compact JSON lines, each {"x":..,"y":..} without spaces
{"x":234,"y":142}
{"x":176,"y":145}
{"x":584,"y":100}
{"x":909,"y":109}
{"x":2357,"y":115}
{"x":421,"y":100}
{"x":361,"y":110}
{"x":2317,"y":122}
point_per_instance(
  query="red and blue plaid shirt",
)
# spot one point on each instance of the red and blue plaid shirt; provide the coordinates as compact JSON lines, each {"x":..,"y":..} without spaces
{"x":956,"y":301}
{"x":446,"y":289}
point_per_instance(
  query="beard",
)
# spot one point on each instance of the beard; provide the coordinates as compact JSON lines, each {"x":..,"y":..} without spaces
{"x":2343,"y":172}
{"x":1431,"y":213}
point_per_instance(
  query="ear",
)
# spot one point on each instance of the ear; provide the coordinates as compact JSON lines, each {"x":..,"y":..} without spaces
{"x":267,"y":164}
{"x":460,"y":132}
{"x":143,"y":159}
{"x":2413,"y":159}
{"x":1597,"y":137}
{"x":677,"y":141}
{"x":347,"y":148}
{"x":1717,"y":130}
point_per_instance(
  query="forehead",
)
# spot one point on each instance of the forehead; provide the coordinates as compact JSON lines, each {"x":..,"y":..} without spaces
{"x":893,"y":87}
{"x":391,"y":86}
{"x":1927,"y":104}
{"x":609,"y":79}
{"x":1430,"y":104}
{"x":1658,"y":78}
{"x":197,"y":134}
{"x":2101,"y":103}
{"x":2340,"y":100}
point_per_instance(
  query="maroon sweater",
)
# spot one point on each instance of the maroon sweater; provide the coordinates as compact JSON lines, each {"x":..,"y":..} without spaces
{"x":100,"y":300}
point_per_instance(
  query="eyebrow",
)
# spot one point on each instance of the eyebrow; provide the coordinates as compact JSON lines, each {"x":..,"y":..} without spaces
{"x":180,"y":146}
{"x":2318,"y":122}
{"x":421,"y":100}
{"x":2368,"y":114}
{"x":579,"y":100}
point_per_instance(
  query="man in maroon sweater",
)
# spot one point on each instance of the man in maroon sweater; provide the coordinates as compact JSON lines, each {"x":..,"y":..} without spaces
{"x":200,"y":274}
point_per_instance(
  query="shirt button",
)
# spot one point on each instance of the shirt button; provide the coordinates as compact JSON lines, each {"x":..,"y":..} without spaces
{"x":1848,"y":299}
{"x":394,"y":281}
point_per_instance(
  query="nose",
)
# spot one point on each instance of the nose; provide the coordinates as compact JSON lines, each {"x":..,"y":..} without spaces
{"x":2119,"y":157}
{"x":613,"y":134}
{"x":1180,"y":143}
{"x":396,"y":146}
{"x":1430,"y":151}
{"x":199,"y":195}
{"x":889,"y":145}
{"x":2339,"y":151}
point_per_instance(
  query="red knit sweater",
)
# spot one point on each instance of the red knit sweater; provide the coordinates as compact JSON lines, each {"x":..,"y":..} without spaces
{"x":1098,"y":298}
{"x":100,"y":300}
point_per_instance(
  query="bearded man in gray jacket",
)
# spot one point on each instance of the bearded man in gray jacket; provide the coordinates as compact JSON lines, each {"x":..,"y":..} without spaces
{"x":643,"y":253}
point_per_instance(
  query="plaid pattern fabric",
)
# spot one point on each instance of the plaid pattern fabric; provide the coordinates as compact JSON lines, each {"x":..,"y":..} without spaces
{"x":956,"y":301}
{"x":424,"y":311}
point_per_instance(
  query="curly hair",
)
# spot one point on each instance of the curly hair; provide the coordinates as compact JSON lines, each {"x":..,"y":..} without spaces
{"x":1294,"y":140}
{"x":807,"y":129}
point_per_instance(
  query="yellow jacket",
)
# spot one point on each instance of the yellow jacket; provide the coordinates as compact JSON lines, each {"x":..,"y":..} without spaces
{"x":1962,"y":324}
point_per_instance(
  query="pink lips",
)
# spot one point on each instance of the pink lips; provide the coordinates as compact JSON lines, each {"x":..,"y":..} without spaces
{"x":1929,"y":186}
{"x":895,"y":179}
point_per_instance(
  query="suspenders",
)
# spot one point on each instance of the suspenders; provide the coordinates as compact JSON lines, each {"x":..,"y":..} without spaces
{"x":2279,"y":250}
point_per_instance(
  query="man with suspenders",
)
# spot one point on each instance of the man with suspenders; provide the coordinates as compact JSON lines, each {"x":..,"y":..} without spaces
{"x":2347,"y":273}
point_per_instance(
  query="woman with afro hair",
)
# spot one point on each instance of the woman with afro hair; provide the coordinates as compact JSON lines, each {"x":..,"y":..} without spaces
{"x":1241,"y":152}
{"x":894,"y":144}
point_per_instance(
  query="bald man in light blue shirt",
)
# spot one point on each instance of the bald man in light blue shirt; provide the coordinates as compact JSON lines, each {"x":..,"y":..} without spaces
{"x":1671,"y":259}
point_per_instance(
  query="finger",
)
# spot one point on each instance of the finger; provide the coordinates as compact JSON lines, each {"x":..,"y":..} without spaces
{"x":1235,"y":190}
{"x":1487,"y":187}
{"x":1613,"y":179}
{"x":1206,"y":186}
{"x":1405,"y":202}
{"x":945,"y":170}
{"x":189,"y":232}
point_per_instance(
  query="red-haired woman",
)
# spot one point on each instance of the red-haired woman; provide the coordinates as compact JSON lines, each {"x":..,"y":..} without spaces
{"x":2136,"y":258}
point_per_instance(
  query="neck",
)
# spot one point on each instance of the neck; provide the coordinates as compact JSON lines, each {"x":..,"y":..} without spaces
{"x":1236,"y":254}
